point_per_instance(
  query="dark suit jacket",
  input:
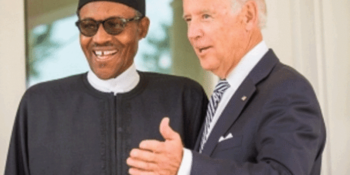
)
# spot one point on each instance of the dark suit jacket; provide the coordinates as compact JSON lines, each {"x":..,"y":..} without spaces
{"x":277,"y":129}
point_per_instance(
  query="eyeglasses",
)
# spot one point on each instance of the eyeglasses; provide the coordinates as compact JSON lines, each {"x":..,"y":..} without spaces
{"x":112,"y":26}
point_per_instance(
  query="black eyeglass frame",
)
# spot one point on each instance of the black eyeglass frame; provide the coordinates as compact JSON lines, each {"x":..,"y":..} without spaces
{"x":98,"y":22}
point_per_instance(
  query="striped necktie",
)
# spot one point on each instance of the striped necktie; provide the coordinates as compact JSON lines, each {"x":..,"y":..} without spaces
{"x":219,"y":90}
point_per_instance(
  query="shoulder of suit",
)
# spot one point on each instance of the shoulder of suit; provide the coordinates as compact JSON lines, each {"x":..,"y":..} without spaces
{"x":286,"y":80}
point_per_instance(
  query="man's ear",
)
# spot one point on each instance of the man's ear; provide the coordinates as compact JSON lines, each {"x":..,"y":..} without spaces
{"x":143,"y":27}
{"x":251,"y":15}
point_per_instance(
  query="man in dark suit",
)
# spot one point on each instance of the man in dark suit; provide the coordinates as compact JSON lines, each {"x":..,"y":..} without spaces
{"x":263,"y":117}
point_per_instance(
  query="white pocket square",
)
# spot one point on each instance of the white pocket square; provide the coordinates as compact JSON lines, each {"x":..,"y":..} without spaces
{"x":222,"y":138}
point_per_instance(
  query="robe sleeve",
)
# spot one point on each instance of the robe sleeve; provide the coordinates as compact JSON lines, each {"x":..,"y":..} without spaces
{"x":196,"y":103}
{"x":17,"y":158}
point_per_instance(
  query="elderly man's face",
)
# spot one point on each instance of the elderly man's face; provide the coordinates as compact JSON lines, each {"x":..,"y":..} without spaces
{"x":216,"y":33}
{"x":110,"y":55}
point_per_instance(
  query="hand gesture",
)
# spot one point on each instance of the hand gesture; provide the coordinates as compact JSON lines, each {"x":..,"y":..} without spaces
{"x":155,"y":157}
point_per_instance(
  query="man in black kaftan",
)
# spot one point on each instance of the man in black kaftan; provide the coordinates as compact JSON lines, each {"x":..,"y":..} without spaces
{"x":87,"y":124}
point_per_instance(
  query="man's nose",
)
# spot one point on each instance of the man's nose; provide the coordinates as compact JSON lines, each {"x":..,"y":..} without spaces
{"x":194,"y":31}
{"x":101,"y":35}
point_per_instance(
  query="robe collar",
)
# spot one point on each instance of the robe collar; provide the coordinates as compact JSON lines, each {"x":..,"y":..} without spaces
{"x":123,"y":83}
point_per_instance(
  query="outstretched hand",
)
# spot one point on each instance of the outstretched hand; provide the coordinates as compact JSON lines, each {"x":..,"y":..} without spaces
{"x":155,"y":157}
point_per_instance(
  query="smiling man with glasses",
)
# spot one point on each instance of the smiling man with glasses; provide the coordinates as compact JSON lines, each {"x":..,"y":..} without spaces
{"x":88,"y":123}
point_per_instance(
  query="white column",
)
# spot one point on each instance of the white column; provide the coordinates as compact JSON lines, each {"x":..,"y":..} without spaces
{"x":12,"y":68}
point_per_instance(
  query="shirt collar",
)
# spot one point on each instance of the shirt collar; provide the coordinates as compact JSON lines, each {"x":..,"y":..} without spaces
{"x":247,"y":63}
{"x":125,"y":82}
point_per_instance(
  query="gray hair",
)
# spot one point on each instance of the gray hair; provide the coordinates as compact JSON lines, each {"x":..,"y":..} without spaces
{"x":237,"y":6}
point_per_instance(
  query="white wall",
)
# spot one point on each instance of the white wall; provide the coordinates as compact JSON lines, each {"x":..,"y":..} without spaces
{"x":336,"y":28}
{"x":313,"y":37}
{"x":12,"y":68}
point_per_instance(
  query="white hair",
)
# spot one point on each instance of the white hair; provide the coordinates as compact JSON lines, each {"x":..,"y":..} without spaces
{"x":237,"y":6}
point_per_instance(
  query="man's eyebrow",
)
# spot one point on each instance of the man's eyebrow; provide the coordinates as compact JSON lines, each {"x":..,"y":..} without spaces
{"x":205,"y":11}
{"x":200,"y":12}
{"x":184,"y":16}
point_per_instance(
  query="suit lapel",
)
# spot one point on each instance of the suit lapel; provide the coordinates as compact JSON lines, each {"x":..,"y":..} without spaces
{"x":238,"y":101}
{"x":229,"y":115}
{"x":199,"y":138}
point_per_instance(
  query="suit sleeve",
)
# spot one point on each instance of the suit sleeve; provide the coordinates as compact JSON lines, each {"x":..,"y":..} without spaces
{"x":17,"y":158}
{"x":289,"y":138}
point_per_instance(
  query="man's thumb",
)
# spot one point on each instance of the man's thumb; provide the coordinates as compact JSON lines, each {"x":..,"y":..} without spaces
{"x":167,"y":132}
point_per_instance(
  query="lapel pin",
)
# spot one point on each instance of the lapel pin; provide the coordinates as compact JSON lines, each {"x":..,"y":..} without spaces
{"x":244,"y":98}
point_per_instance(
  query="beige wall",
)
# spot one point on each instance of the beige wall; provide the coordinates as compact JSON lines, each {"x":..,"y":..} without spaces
{"x":12,"y":68}
{"x":311,"y":36}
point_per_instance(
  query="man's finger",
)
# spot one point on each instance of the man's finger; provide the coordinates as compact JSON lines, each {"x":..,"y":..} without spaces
{"x":152,"y":145}
{"x":143,"y":155}
{"x":166,"y":131}
{"x":135,"y":171}
{"x":142,"y":165}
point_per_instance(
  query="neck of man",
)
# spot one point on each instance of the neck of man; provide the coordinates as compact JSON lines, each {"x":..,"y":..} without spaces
{"x":254,"y":39}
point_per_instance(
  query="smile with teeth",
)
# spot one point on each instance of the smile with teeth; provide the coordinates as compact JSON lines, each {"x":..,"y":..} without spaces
{"x":104,"y":54}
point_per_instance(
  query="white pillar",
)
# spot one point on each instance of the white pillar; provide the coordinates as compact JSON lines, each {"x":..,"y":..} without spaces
{"x":12,"y":68}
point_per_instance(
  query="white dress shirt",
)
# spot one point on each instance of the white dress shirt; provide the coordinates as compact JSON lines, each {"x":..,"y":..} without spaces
{"x":235,"y":79}
{"x":125,"y":82}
